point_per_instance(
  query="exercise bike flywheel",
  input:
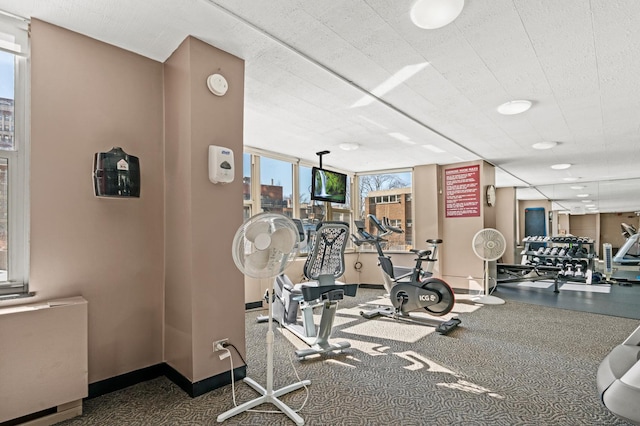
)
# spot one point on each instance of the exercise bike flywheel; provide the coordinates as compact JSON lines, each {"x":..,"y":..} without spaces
{"x":408,"y":297}
{"x":447,"y":299}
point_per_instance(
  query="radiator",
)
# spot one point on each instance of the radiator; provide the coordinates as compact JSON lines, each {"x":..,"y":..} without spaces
{"x":43,"y":359}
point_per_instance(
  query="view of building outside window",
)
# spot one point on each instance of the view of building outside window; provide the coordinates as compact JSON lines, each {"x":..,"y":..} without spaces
{"x":246,"y":176}
{"x":276,"y":194}
{"x":246,"y":185}
{"x":276,"y":186}
{"x":311,"y":212}
{"x":388,"y":195}
{"x":4,"y":186}
{"x":7,"y":126}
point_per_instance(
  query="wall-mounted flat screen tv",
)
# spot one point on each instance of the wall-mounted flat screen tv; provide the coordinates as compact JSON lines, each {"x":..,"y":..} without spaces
{"x":327,"y":185}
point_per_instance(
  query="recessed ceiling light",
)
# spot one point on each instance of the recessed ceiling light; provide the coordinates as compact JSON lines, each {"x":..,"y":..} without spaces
{"x":544,"y":145}
{"x":561,"y":166}
{"x":593,"y":208}
{"x":433,"y":14}
{"x":372,"y":122}
{"x":434,"y":148}
{"x":577,"y":187}
{"x":589,"y":205}
{"x":514,"y":107}
{"x":582,"y":195}
{"x":348,"y":146}
{"x":399,"y":136}
{"x":587,"y":201}
{"x":391,"y":83}
{"x":570,"y":179}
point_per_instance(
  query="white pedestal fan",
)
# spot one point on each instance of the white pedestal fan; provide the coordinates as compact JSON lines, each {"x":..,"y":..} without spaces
{"x":489,"y":245}
{"x":262,"y":248}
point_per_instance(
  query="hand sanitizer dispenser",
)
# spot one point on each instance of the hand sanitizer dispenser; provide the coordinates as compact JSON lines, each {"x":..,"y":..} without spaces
{"x":220,"y":164}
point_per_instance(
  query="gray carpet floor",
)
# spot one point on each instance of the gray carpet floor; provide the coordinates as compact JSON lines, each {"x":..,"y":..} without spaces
{"x":513,"y":364}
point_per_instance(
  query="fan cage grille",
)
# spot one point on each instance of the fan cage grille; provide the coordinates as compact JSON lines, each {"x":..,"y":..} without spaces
{"x":489,"y":244}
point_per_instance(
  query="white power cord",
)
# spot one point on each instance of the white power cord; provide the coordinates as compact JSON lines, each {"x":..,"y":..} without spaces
{"x":227,"y":354}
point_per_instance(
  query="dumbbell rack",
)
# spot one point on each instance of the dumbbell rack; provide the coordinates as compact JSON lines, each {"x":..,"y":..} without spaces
{"x":577,"y":251}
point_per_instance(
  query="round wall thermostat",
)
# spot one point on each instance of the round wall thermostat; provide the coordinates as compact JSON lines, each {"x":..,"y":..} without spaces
{"x":217,"y":84}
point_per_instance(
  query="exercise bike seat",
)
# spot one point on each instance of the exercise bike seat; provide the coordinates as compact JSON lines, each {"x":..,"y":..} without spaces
{"x":420,"y":253}
{"x":315,"y":290}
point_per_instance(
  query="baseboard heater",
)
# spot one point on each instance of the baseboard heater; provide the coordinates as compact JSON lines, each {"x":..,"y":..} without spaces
{"x":43,"y":360}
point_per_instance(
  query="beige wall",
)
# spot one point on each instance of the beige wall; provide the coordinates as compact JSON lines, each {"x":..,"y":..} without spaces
{"x":204,"y":290}
{"x":426,"y":201}
{"x":563,"y":224}
{"x":427,"y":222}
{"x":461,"y":268}
{"x":88,"y":97}
{"x":505,"y":210}
{"x":610,"y":231}
{"x":586,"y":225}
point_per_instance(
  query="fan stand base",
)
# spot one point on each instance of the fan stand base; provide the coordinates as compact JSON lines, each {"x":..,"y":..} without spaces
{"x":271,"y":398}
{"x":488,"y":300}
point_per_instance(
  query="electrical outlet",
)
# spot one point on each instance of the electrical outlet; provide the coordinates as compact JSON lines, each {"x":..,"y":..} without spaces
{"x":218,"y":344}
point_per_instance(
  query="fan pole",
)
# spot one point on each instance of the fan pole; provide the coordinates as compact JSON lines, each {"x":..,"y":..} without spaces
{"x":268,"y":395}
{"x":486,"y":298}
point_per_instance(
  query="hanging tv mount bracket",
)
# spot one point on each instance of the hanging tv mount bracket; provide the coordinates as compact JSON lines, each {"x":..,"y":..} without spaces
{"x":320,"y":154}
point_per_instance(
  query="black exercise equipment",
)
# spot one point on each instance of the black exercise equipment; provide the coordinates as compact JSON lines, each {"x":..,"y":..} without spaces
{"x":410,"y":289}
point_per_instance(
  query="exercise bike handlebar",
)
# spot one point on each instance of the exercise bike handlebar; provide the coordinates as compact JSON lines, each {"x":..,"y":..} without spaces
{"x":384,"y":229}
{"x":386,"y":224}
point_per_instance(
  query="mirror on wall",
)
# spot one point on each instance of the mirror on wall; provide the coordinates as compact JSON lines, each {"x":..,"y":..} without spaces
{"x":614,"y":196}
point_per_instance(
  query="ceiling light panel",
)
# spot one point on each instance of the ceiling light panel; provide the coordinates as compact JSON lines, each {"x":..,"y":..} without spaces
{"x":544,"y":145}
{"x":514,"y":107}
{"x":434,"y":14}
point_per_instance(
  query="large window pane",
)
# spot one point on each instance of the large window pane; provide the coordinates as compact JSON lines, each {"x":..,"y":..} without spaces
{"x":4,"y":230}
{"x":276,"y":186}
{"x":14,"y":193}
{"x":388,"y":195}
{"x":311,"y":212}
{"x":7,"y":96}
{"x":246,"y":176}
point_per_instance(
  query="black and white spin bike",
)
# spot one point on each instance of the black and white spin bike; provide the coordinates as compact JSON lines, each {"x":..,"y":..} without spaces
{"x":410,"y":289}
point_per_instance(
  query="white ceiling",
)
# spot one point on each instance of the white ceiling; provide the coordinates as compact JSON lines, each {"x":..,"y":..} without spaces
{"x":310,"y":64}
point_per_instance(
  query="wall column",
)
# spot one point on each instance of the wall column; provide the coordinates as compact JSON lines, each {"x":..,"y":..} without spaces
{"x":461,"y":268}
{"x":204,"y":291}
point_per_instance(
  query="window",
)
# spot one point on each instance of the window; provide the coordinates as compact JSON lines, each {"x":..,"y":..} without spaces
{"x":388,"y":195}
{"x":276,"y":186}
{"x":285,"y":187}
{"x":247,"y":172}
{"x":396,"y":223}
{"x":14,"y":150}
{"x":310,"y":212}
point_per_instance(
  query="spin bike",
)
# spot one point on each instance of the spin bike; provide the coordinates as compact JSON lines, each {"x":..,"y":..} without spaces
{"x":410,"y":289}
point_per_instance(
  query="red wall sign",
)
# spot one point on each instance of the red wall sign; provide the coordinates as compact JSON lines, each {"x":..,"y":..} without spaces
{"x":462,"y":191}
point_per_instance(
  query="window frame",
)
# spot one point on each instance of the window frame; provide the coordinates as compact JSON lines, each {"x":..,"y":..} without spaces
{"x":254,"y":204}
{"x":359,"y":208}
{"x":18,"y":214}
